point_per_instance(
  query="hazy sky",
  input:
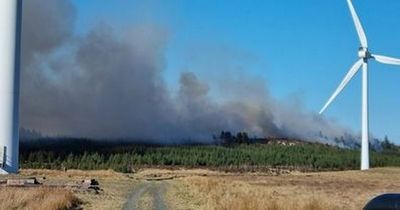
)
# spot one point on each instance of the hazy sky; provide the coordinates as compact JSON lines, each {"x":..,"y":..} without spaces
{"x":301,"y":48}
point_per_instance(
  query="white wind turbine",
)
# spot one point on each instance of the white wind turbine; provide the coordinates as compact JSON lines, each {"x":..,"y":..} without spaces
{"x":364,"y":57}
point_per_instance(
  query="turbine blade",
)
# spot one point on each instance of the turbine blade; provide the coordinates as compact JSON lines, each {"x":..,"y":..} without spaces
{"x":343,"y":84}
{"x":357,"y":23}
{"x":386,"y":59}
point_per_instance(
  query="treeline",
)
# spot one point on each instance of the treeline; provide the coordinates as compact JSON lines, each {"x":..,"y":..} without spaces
{"x":124,"y":156}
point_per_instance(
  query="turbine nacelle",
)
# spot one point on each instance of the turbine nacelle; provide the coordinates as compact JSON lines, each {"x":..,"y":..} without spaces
{"x":363,"y":53}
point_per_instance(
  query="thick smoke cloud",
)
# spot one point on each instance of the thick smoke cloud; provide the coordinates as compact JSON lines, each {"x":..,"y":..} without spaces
{"x":108,"y":84}
{"x":47,"y":24}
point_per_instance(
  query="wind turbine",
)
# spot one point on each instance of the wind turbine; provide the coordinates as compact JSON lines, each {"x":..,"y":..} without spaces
{"x":10,"y":33}
{"x":364,"y":56}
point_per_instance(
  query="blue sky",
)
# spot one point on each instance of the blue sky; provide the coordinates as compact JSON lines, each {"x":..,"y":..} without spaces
{"x":300,"y":48}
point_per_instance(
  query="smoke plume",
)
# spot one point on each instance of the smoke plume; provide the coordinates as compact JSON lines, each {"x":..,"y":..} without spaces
{"x":108,"y":83}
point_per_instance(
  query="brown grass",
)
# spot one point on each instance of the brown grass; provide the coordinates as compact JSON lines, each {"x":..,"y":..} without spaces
{"x":37,"y":198}
{"x":202,"y":189}
{"x":115,"y":186}
{"x":146,"y":201}
{"x":225,"y":194}
{"x":70,"y":173}
{"x":311,"y":191}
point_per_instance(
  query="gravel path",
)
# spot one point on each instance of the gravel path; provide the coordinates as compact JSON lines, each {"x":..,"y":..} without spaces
{"x":155,"y":189}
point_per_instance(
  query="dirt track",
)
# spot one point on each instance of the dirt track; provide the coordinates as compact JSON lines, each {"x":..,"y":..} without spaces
{"x":147,"y":195}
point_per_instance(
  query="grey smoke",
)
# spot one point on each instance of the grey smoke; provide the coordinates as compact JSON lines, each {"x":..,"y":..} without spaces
{"x":47,"y":24}
{"x":108,"y":83}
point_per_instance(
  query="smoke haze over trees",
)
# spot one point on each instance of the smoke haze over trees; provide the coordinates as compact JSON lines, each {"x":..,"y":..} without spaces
{"x":108,"y":83}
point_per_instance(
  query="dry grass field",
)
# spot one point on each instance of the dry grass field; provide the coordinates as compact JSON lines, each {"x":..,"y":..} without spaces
{"x":115,"y":186}
{"x":38,"y":198}
{"x":204,"y":189}
{"x":311,"y":191}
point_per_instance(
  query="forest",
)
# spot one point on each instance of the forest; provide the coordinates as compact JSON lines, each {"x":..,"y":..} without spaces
{"x":124,"y":156}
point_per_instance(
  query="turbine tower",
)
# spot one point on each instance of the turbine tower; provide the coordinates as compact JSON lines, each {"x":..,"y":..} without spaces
{"x":10,"y":22}
{"x":364,"y":56}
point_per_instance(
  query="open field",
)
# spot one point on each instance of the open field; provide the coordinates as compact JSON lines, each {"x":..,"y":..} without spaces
{"x":205,"y":189}
{"x":115,"y":186}
{"x":324,"y":190}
